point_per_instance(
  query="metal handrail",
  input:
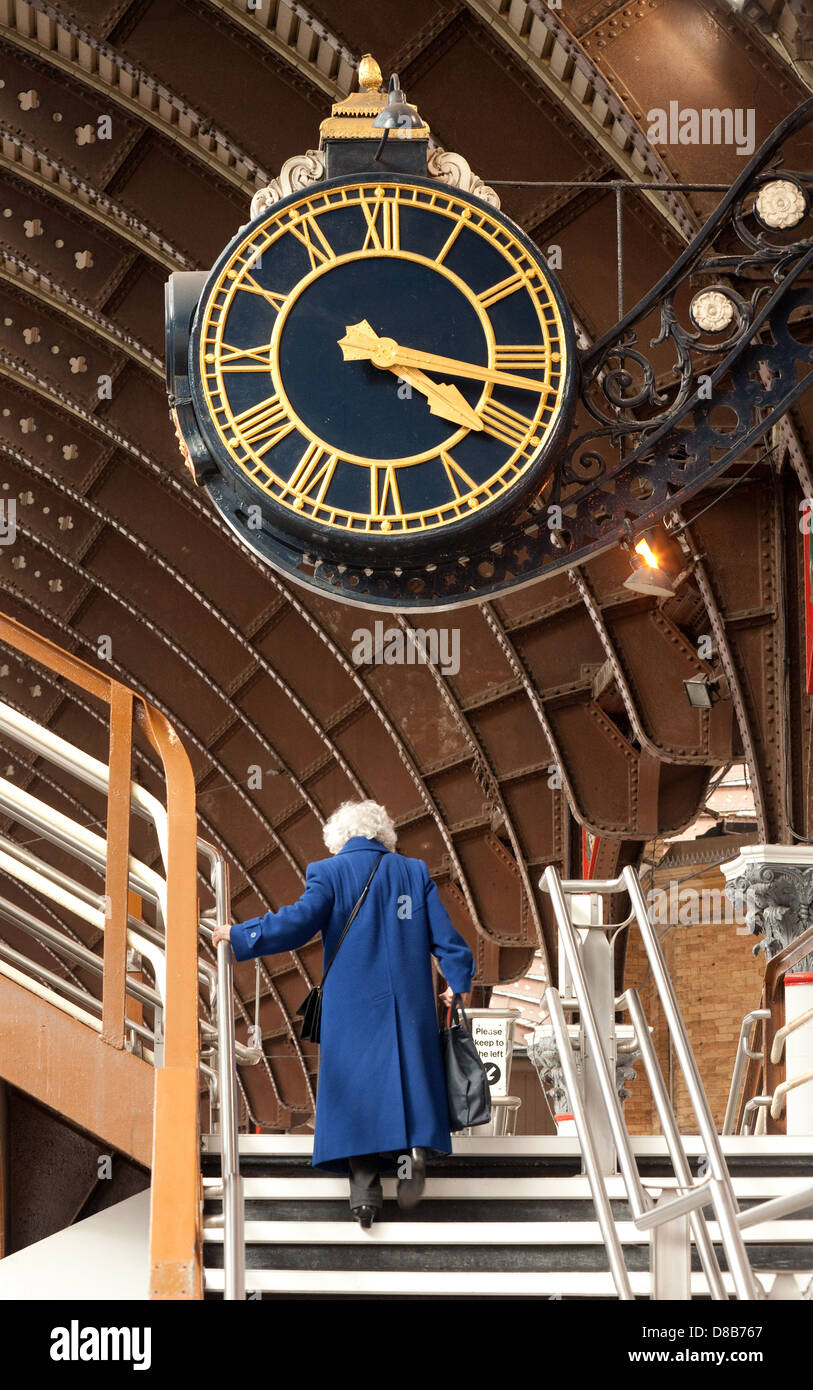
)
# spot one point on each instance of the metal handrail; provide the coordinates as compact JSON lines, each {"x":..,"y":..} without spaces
{"x":74,"y":950}
{"x":73,"y":902}
{"x":82,"y":765}
{"x":677,"y":1153}
{"x":725,"y":1202}
{"x":601,"y":1201}
{"x":57,"y":984}
{"x":744,"y":1053}
{"x":777,"y":1206}
{"x":718,"y":1186}
{"x":75,"y":839}
{"x":785,"y":1032}
{"x":231,"y":1181}
{"x":778,"y":1098}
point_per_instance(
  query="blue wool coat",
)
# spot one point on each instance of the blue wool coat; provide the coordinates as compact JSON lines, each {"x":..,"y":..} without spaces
{"x":381,"y":1080}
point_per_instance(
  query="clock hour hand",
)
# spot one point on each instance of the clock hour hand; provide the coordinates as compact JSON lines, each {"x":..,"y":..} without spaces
{"x":363,"y":343}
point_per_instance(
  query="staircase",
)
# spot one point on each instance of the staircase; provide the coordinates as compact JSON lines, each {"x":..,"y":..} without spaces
{"x":111,"y":1018}
{"x":504,"y":1217}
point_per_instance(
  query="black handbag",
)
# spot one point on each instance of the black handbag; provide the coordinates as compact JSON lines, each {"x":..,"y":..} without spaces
{"x":467,"y":1088}
{"x":311,"y":1006}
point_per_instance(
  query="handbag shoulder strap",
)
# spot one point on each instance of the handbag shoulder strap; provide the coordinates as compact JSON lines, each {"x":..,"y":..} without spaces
{"x":348,"y":924}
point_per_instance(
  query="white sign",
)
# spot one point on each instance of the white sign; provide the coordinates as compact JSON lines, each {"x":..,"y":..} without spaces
{"x":492,"y":1038}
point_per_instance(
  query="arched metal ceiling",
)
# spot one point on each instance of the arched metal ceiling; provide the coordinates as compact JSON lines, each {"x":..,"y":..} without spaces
{"x":568,"y":702}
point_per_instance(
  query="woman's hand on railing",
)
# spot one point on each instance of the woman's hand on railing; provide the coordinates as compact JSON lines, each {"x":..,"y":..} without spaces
{"x":221,"y":933}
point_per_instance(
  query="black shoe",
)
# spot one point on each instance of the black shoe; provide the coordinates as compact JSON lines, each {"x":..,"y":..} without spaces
{"x":365,"y":1216}
{"x":410,"y":1190}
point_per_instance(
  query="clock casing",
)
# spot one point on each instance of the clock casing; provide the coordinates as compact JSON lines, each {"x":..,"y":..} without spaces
{"x":340,"y":455}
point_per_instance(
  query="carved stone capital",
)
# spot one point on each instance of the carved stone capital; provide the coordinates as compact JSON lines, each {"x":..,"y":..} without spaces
{"x":776,"y":894}
{"x":544,"y":1054}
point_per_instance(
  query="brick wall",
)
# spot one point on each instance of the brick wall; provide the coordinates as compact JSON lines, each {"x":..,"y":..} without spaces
{"x":717,"y":981}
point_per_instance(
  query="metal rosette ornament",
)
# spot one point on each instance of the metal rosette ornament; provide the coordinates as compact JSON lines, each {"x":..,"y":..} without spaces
{"x":286,"y":376}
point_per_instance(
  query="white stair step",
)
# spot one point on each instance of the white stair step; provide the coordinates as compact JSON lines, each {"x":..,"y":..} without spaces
{"x":514,"y":1233}
{"x":543,"y":1146}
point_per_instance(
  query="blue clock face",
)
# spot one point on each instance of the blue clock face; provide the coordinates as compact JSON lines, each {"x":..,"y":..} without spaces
{"x":383,"y":369}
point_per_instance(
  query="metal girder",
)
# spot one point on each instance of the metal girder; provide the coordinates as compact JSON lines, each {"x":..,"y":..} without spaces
{"x":23,"y":162}
{"x":30,"y":282}
{"x":300,"y":39}
{"x":255,"y":657}
{"x":39,"y":29}
{"x":541,"y":41}
{"x":491,"y":787}
{"x":667,"y":637}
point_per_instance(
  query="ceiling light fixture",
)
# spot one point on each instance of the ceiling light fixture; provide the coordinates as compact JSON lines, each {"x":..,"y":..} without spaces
{"x":647,"y":577}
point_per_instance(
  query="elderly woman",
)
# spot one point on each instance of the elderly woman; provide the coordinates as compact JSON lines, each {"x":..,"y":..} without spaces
{"x":381,"y":1100}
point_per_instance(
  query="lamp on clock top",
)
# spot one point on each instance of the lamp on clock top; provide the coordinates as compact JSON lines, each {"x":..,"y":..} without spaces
{"x":380,"y":366}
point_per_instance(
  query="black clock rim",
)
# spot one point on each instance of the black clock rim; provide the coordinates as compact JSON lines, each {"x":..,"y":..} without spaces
{"x":442,"y":542}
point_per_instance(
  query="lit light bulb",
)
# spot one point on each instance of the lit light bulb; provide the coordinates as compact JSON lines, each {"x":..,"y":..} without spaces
{"x":644,"y":549}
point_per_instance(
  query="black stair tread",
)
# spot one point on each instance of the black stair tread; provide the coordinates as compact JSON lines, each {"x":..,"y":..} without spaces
{"x":484,"y":1259}
{"x":457,"y":1209}
{"x":450,"y":1209}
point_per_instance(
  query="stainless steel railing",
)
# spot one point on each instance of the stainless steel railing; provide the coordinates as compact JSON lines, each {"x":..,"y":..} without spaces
{"x":716,"y":1188}
{"x":231,"y":1186}
{"x":745,"y":1052}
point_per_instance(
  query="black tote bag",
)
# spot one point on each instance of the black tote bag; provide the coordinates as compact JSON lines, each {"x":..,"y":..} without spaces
{"x":467,"y":1088}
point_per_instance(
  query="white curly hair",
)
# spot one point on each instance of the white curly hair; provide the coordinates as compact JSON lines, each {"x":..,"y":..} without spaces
{"x":365,"y":818}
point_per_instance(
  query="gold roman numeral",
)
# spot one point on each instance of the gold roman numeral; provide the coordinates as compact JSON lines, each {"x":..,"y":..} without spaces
{"x":311,"y":472}
{"x":386,"y":213}
{"x":501,"y":290}
{"x":234,"y":359}
{"x":505,"y":424}
{"x":262,"y":426}
{"x":520,"y":357}
{"x":389,"y":494}
{"x":250,"y":285}
{"x":450,"y":241}
{"x":307,"y":230}
{"x":453,"y":468}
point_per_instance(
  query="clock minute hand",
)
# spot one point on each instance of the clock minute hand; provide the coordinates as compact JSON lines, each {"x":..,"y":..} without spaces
{"x":362,"y":343}
{"x":431,"y":362}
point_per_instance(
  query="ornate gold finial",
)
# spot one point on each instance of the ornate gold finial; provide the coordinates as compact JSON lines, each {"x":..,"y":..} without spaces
{"x":352,"y":117}
{"x":370,"y":78}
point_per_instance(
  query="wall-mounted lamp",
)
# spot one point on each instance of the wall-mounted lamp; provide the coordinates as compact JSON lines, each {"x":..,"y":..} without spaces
{"x":647,"y":577}
{"x":701,"y":691}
